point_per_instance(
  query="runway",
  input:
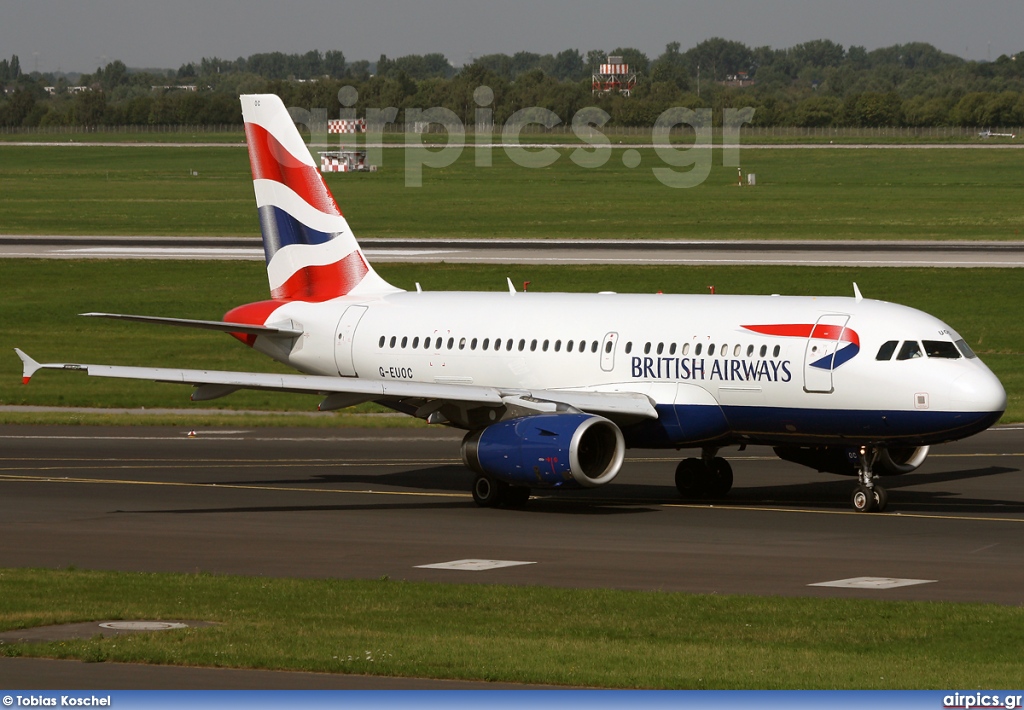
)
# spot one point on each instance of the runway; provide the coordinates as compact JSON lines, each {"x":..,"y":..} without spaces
{"x":367,"y":503}
{"x":543,"y":251}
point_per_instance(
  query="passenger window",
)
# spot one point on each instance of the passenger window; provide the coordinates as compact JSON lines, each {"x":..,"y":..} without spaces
{"x":661,"y":348}
{"x":380,"y":343}
{"x":522,"y":345}
{"x":764,"y":350}
{"x":910,"y":350}
{"x":888,"y":348}
{"x":941,"y":349}
{"x":558,"y":346}
{"x":647,"y":348}
{"x":472,"y":344}
{"x":736,"y":351}
{"x":533,"y":345}
{"x":568,"y":347}
{"x":776,"y":351}
{"x":416,"y":342}
{"x":965,"y":349}
{"x":593,"y":347}
{"x":544,"y":346}
{"x":437,"y":345}
{"x":608,"y":346}
{"x":405,"y":340}
{"x":629,"y":347}
{"x":485,"y":344}
{"x":711,"y":350}
{"x":696,"y":350}
{"x":686,"y":348}
{"x":672,"y":349}
{"x":393,"y":341}
{"x":750,"y":350}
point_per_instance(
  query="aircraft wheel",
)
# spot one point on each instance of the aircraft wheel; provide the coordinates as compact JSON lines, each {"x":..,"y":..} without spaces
{"x":863,"y":499}
{"x":489,"y":492}
{"x":692,"y":478}
{"x":881,"y":498}
{"x":517,"y":496}
{"x":720,"y":481}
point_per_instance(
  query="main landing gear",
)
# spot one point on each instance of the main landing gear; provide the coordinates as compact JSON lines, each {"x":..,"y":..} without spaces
{"x":489,"y":492}
{"x":707,"y":477}
{"x":868,"y":497}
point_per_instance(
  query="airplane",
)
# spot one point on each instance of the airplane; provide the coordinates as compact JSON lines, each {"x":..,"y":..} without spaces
{"x":552,"y":388}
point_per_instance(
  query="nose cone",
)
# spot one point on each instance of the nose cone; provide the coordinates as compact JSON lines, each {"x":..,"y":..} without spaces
{"x":978,"y":391}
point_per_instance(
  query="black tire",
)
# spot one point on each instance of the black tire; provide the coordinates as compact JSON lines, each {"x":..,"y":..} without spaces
{"x":517,"y":496}
{"x":720,"y":481}
{"x":881,"y":498}
{"x":489,"y":492}
{"x":863,"y":499}
{"x":692,"y":479}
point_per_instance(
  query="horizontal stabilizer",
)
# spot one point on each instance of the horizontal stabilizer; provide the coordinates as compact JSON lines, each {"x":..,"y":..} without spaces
{"x":222,"y":326}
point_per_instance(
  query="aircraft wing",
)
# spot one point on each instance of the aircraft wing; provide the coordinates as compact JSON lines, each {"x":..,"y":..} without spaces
{"x":423,"y":398}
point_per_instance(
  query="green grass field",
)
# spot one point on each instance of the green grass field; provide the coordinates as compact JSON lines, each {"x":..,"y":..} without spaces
{"x":43,"y":297}
{"x":582,"y":637}
{"x":801,"y":194}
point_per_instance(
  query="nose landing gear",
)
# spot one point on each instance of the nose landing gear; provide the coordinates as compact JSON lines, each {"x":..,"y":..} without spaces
{"x":868,"y":497}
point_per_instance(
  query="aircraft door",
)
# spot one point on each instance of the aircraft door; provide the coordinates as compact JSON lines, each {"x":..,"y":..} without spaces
{"x":822,"y":344}
{"x":345,"y":339}
{"x":611,"y":340}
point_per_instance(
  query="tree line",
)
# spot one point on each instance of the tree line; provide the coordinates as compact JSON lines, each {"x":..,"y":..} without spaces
{"x":813,"y":84}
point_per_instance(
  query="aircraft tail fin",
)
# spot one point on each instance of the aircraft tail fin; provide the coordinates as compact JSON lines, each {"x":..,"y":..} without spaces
{"x":311,"y":252}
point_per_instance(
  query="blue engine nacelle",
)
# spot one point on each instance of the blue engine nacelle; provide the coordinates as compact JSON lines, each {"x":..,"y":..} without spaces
{"x":547,"y":451}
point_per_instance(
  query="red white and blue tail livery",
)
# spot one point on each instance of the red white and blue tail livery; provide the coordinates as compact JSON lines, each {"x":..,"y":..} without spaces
{"x":311,"y":252}
{"x":553,"y":387}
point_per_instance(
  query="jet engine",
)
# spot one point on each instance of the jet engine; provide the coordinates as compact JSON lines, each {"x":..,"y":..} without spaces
{"x":844,"y":460}
{"x":547,"y":451}
{"x":902,"y":459}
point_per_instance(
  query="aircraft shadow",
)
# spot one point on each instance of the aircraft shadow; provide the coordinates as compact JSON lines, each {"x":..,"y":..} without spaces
{"x":904,"y":493}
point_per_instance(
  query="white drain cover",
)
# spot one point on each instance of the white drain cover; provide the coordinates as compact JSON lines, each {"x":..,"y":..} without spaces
{"x":873,"y":583}
{"x":142,"y":625}
{"x":474,"y":565}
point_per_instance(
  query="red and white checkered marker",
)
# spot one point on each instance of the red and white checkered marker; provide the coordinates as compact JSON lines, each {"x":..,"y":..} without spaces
{"x":346,"y":125}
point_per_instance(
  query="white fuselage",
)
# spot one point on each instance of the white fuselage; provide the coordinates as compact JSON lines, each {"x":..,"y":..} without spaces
{"x":747,"y":360}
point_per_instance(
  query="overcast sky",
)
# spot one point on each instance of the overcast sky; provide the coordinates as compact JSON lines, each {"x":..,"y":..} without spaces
{"x":79,"y":35}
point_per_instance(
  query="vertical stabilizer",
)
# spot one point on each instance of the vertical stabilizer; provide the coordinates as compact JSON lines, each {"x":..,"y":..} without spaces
{"x":311,"y":252}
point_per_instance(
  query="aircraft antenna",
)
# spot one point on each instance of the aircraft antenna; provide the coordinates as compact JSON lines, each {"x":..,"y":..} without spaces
{"x":856,"y":292}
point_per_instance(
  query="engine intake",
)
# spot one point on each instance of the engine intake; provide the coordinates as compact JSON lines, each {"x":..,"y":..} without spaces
{"x":547,"y":451}
{"x":898,"y":460}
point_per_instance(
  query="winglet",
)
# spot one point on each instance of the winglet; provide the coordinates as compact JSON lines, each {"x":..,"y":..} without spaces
{"x":29,"y":366}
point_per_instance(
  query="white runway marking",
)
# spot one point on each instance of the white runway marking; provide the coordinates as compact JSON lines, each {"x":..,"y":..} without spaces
{"x":474,"y":565}
{"x":873,"y":583}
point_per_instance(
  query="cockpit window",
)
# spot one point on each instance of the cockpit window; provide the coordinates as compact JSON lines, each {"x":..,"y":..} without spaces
{"x":888,"y":348}
{"x":910,"y":350}
{"x":965,"y":349}
{"x":941,"y":348}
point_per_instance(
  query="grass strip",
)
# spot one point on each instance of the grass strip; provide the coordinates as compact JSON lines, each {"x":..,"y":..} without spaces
{"x":800,"y":194}
{"x":584,"y":637}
